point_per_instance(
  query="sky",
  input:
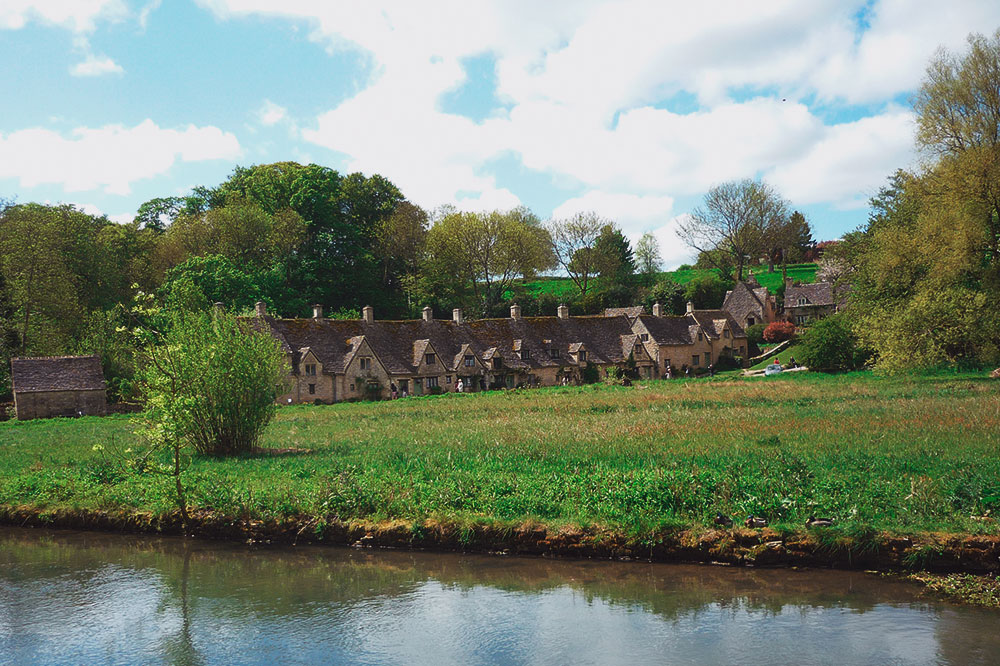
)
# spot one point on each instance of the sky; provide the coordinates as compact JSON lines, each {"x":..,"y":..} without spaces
{"x":633,"y":110}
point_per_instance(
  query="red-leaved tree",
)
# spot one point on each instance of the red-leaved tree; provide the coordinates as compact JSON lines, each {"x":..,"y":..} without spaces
{"x":779,"y":331}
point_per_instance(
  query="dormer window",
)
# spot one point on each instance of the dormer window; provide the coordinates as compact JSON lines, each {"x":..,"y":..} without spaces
{"x":470,"y":361}
{"x":365,"y":362}
{"x":429,"y":359}
{"x":701,"y":336}
{"x":802,"y":300}
{"x":644,"y":337}
{"x":553,"y":353}
{"x":725,"y":333}
{"x":310,"y":368}
{"x":582,"y":355}
{"x":497,"y":362}
{"x":525,"y":354}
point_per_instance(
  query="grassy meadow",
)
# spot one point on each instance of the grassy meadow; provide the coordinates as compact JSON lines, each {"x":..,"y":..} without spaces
{"x":904,"y":455}
{"x":563,"y":286}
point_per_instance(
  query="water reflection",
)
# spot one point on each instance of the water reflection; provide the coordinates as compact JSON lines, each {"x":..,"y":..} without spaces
{"x":92,"y":598}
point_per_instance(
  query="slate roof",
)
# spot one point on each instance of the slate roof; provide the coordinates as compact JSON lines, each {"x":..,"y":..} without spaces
{"x":57,"y":373}
{"x":819,"y":293}
{"x":746,"y":298}
{"x":713,"y":321}
{"x":399,"y":345}
{"x":631,"y":312}
{"x":683,"y":329}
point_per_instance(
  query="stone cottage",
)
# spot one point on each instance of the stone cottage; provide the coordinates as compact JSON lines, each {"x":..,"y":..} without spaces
{"x":808,"y":302}
{"x":333,"y":360}
{"x":58,"y":386}
{"x":750,"y":304}
{"x":695,"y":339}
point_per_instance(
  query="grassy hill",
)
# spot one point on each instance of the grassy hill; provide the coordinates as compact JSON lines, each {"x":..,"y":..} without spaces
{"x":564,"y":287}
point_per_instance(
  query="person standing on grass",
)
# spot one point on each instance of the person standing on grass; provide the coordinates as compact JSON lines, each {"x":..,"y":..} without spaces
{"x":711,"y":369}
{"x":392,"y":388}
{"x":460,"y":386}
{"x":670,"y":372}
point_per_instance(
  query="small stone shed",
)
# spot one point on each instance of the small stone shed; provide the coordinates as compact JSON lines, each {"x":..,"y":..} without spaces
{"x":58,"y":386}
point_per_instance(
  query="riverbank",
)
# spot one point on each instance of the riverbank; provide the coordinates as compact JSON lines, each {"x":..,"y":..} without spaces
{"x":907,"y":467}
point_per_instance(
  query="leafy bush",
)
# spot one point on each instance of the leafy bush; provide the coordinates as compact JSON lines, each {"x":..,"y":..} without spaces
{"x":779,"y":331}
{"x":210,"y":383}
{"x":830,"y":345}
{"x":590,"y":374}
{"x":755,"y":333}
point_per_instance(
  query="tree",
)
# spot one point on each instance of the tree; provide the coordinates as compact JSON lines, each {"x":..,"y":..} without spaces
{"x":789,"y":240}
{"x":402,"y":239}
{"x":573,"y":244}
{"x":647,"y":257}
{"x":482,"y":253}
{"x":830,"y":345}
{"x":737,"y":218}
{"x":707,"y":292}
{"x":669,"y":295}
{"x":779,"y":331}
{"x":613,"y":255}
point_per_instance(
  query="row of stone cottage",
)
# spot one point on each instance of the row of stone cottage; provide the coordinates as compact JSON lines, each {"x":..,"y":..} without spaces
{"x":333,"y":360}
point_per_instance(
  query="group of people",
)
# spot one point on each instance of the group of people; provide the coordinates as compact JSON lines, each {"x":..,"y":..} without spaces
{"x":460,"y":387}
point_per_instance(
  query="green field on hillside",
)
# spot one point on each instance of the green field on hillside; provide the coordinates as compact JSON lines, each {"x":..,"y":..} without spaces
{"x":903,"y":454}
{"x":564,"y":287}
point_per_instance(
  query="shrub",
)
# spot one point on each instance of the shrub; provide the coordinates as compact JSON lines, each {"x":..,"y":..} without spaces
{"x":779,"y":331}
{"x":830,"y":345}
{"x":210,"y":383}
{"x":590,"y":374}
{"x":755,"y":333}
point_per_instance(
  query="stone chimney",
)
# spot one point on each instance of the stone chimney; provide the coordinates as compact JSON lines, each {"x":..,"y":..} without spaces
{"x":219,"y":306}
{"x":317,"y":311}
{"x":456,"y":316}
{"x":657,"y":310}
{"x":428,"y":314}
{"x":563,"y":312}
{"x":260,"y":308}
{"x":515,"y":311}
{"x":368,"y":314}
{"x":788,"y":282}
{"x":690,"y":308}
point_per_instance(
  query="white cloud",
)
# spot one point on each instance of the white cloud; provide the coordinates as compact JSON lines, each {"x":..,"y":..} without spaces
{"x":270,"y":113}
{"x":588,"y":88}
{"x":75,"y":15}
{"x":109,"y":158}
{"x":96,"y":66}
{"x":673,"y":251}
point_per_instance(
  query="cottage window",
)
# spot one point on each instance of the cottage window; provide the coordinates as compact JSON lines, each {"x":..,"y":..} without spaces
{"x":802,"y":300}
{"x":470,"y":361}
{"x":429,"y":359}
{"x":525,"y":354}
{"x":365,"y":362}
{"x":801,"y":319}
{"x":696,"y":360}
{"x":432,"y":382}
{"x":582,"y":354}
{"x":312,"y":389}
{"x":352,"y":387}
{"x":725,"y":333}
{"x":750,"y":321}
{"x":701,"y":336}
{"x":310,"y":368}
{"x":497,"y":362}
{"x":447,"y":379}
{"x":553,"y":353}
{"x":644,"y":337}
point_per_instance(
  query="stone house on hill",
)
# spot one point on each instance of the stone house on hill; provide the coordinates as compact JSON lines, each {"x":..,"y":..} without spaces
{"x":335,"y":360}
{"x":750,"y":304}
{"x":695,"y":339}
{"x":807,"y":302}
{"x":58,"y":386}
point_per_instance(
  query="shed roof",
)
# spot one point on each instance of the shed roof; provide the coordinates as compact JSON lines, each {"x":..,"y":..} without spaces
{"x":57,"y":373}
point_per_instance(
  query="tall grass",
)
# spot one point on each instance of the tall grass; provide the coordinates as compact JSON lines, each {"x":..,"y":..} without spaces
{"x":904,"y":454}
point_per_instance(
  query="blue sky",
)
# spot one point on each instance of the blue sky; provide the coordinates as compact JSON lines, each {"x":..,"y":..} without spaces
{"x":631,"y":109}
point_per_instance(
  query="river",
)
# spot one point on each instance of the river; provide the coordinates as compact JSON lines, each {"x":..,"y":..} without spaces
{"x":90,"y":598}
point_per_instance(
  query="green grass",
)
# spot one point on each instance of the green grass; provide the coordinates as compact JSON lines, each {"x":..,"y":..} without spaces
{"x":783,"y":357}
{"x":905,"y":454}
{"x":564,"y":287}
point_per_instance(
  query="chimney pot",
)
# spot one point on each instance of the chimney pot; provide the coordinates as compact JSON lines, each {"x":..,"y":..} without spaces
{"x":219,"y":306}
{"x":260,"y":308}
{"x":368,"y":314}
{"x":428,"y":313}
{"x":456,"y":315}
{"x":657,"y":310}
{"x":563,"y":312}
{"x":515,"y":311}
{"x":317,"y":311}
{"x":690,"y":307}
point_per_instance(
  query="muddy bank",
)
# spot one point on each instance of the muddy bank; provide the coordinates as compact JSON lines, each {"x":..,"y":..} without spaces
{"x":946,"y":553}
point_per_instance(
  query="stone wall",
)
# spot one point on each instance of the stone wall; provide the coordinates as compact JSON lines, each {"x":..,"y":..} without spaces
{"x":46,"y":404}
